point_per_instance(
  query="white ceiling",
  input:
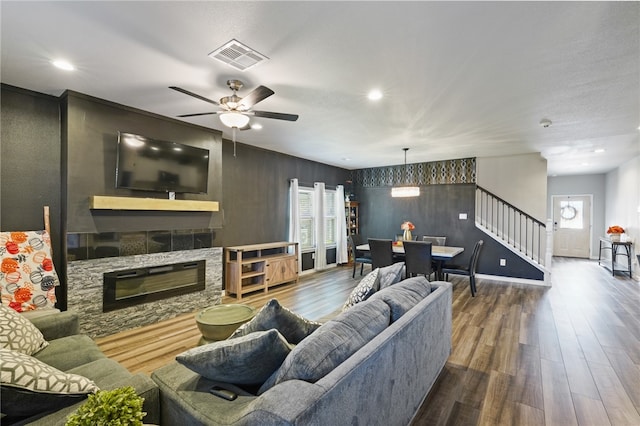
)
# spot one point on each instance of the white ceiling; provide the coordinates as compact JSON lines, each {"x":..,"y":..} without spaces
{"x":460,"y":79}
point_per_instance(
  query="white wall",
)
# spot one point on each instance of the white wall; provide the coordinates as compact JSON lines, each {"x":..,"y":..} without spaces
{"x":518,"y":179}
{"x":623,"y":203}
{"x":583,"y":185}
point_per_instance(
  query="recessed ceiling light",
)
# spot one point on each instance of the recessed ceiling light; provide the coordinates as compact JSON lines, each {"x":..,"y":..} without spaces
{"x":375,"y":95}
{"x":599,"y":150}
{"x":63,"y":65}
{"x":256,"y":126}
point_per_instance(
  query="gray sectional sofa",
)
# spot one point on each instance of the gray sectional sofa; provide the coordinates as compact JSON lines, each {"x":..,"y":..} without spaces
{"x":383,"y":382}
{"x":75,"y":353}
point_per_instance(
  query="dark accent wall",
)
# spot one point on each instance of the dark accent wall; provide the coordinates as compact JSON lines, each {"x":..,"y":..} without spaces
{"x":435,"y":212}
{"x":256,"y":191}
{"x":90,"y":137}
{"x":30,"y":165}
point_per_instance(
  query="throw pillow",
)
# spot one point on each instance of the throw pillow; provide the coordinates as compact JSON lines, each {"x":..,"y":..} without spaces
{"x":292,"y":326}
{"x":245,"y":360}
{"x":390,"y":275}
{"x":30,"y":386}
{"x":405,"y":295}
{"x":365,"y":288}
{"x":18,"y":333}
{"x":27,"y":278}
{"x":332,"y":344}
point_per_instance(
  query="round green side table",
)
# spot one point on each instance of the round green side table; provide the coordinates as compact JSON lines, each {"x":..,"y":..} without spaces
{"x":220,"y":321}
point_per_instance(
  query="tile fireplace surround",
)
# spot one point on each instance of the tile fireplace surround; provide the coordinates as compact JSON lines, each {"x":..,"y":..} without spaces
{"x":85,"y":290}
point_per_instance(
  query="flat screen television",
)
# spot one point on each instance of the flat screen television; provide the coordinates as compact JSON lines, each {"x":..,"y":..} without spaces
{"x":154,"y":165}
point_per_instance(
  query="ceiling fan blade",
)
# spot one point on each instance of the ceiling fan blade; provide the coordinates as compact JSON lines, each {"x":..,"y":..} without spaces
{"x":195,"y":95}
{"x":260,"y":93}
{"x":197,"y":114}
{"x":276,"y":115}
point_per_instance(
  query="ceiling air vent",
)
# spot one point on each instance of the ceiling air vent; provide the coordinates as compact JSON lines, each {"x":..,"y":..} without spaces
{"x":238,"y":55}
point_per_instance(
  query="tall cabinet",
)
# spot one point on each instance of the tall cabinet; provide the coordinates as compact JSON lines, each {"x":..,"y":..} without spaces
{"x":353,"y":217}
{"x":352,"y":214}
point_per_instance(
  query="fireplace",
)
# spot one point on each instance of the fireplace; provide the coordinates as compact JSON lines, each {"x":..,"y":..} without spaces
{"x":125,"y":288}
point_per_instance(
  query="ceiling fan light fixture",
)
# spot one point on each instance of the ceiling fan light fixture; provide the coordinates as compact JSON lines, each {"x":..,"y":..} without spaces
{"x":404,"y":191}
{"x":234,"y":119}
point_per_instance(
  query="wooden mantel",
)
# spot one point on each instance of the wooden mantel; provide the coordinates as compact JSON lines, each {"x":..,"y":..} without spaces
{"x":102,"y":202}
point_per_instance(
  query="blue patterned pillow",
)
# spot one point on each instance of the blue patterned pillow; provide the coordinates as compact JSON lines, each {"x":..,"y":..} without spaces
{"x":390,"y":275}
{"x":365,"y":288}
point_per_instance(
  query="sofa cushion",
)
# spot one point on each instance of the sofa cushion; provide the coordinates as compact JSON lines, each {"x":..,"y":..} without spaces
{"x":18,"y":333}
{"x":292,"y":326}
{"x":244,"y":360}
{"x":332,"y":343}
{"x":365,"y":288}
{"x":29,"y":277}
{"x":390,"y":275}
{"x":30,"y":386}
{"x":69,"y":352}
{"x":405,"y":295}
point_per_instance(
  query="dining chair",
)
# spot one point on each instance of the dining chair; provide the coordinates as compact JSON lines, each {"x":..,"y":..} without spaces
{"x":358,"y":256}
{"x":381,"y":253}
{"x":469,"y":270}
{"x":436,"y":241}
{"x":417,"y":258}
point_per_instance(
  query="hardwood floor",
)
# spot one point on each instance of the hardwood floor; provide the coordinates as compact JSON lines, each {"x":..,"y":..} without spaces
{"x":522,"y":355}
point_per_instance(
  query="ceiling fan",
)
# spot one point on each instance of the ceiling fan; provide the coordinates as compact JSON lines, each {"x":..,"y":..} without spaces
{"x":235,"y":111}
{"x":239,"y":108}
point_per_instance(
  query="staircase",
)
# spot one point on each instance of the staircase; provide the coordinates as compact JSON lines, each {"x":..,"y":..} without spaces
{"x":524,"y":235}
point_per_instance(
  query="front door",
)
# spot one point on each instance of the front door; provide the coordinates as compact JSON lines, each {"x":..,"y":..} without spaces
{"x":572,"y":225}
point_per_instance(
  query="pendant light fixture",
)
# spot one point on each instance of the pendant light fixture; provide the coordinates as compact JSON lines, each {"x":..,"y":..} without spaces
{"x":405,"y":190}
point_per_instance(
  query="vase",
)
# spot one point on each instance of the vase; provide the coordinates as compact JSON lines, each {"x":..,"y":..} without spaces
{"x":614,"y":237}
{"x":407,"y":235}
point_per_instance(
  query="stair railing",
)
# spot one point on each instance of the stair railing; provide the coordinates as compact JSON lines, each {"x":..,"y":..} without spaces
{"x":513,"y":226}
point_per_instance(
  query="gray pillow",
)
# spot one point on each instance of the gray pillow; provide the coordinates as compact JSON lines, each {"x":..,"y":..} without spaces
{"x":30,"y":386}
{"x":18,"y":333}
{"x":245,"y":360}
{"x":390,"y":275}
{"x":365,"y":288}
{"x":332,"y":343}
{"x":403,"y":296}
{"x":292,"y":326}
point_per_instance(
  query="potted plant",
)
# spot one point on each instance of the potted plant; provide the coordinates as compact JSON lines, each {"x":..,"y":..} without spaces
{"x":615,"y":232}
{"x":118,"y":407}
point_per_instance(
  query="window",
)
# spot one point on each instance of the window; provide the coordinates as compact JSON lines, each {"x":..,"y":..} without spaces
{"x":571,"y":214}
{"x":307,"y":219}
{"x":305,"y":204}
{"x":330,"y":218}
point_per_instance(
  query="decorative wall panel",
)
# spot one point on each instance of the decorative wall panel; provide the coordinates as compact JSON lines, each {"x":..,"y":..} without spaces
{"x":461,"y":171}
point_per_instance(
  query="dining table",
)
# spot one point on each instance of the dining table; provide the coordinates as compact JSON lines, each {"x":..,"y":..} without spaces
{"x":439,"y":254}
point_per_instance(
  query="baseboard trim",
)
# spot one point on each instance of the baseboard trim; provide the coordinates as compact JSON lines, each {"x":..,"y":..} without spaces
{"x":513,"y":280}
